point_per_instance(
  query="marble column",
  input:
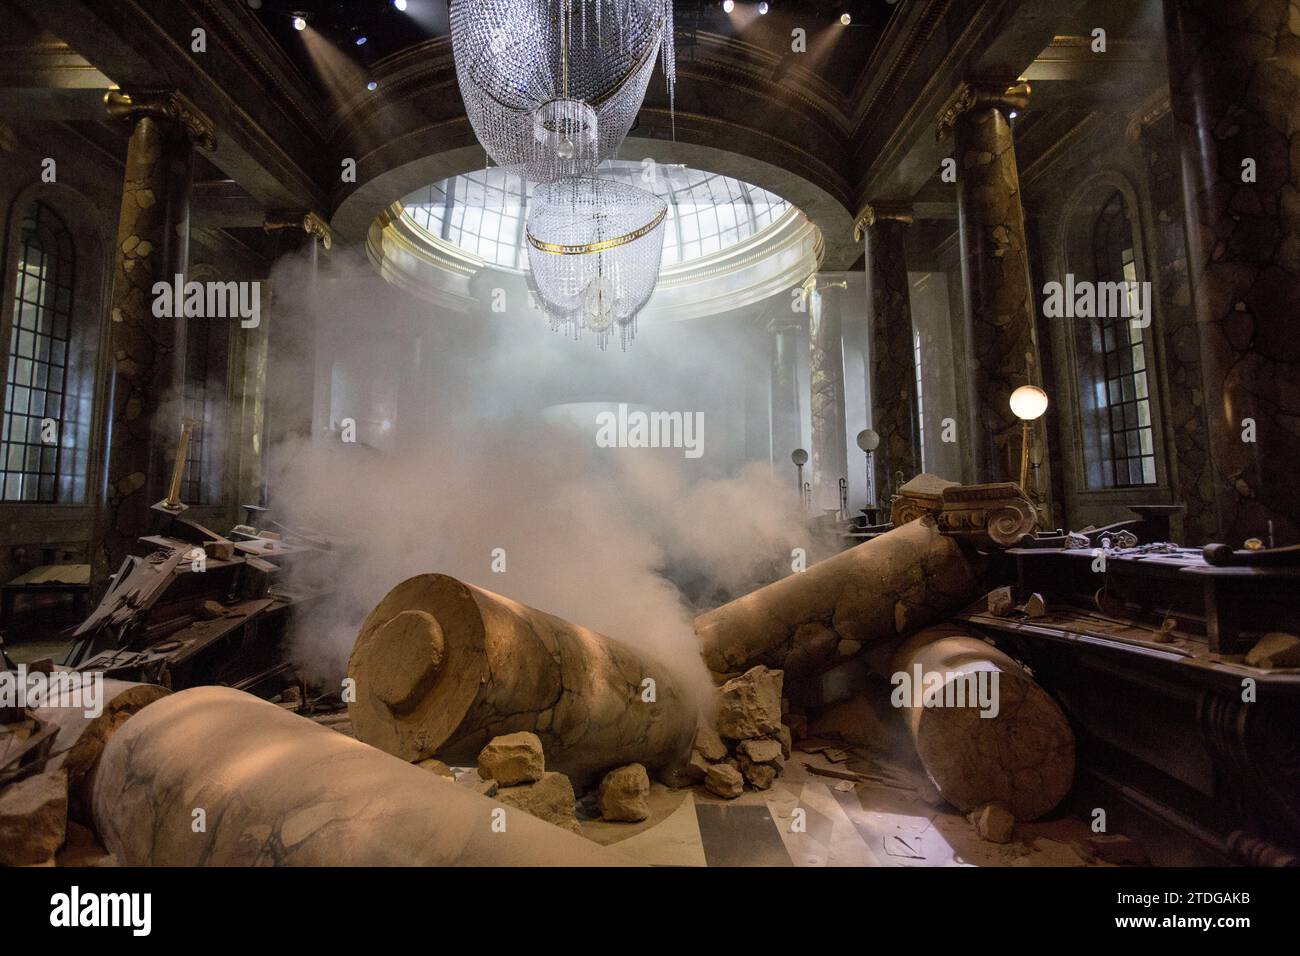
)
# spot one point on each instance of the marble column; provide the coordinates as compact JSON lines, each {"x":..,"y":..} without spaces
{"x":1234,"y":77}
{"x":147,"y":353}
{"x":997,"y":287}
{"x":893,"y":355}
{"x":829,"y":457}
{"x":787,"y":423}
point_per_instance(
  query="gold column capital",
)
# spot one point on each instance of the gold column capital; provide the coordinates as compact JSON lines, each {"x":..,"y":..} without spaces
{"x":978,"y":94}
{"x":163,"y":104}
{"x":878,"y":209}
{"x":309,"y":222}
{"x":1153,"y":107}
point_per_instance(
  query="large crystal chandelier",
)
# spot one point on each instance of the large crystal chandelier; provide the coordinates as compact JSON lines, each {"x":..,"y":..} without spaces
{"x":553,"y":86}
{"x":594,"y":247}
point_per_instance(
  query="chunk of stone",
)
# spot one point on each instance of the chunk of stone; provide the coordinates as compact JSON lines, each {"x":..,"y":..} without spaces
{"x":625,"y":794}
{"x":211,"y":610}
{"x":437,"y":766}
{"x":1275,"y":650}
{"x":994,"y":822}
{"x":1035,"y":606}
{"x":709,"y":745}
{"x":750,"y":705}
{"x":1001,"y":603}
{"x":763,"y":750}
{"x":848,"y":648}
{"x":512,"y":759}
{"x":33,"y":819}
{"x":724,"y":780}
{"x":786,"y":739}
{"x":488,"y":788}
{"x":550,"y":798}
{"x":761,"y":776}
{"x":697,"y":768}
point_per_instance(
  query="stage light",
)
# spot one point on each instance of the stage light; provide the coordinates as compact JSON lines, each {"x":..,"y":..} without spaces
{"x":1013,"y":114}
{"x":361,"y":41}
{"x":372,"y":86}
{"x":400,"y":4}
{"x":762,"y":9}
{"x":845,"y":19}
{"x":300,"y":23}
{"x":728,"y":5}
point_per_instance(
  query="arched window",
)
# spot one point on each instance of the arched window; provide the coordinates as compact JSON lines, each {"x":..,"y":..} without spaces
{"x":1115,"y":376}
{"x":32,"y":441}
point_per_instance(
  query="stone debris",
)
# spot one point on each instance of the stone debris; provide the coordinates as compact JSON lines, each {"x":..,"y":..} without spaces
{"x":625,"y":794}
{"x":697,"y":768}
{"x":709,"y":745}
{"x":848,"y":648}
{"x":993,"y":822}
{"x":1275,"y":650}
{"x":550,"y":798}
{"x":786,"y":739}
{"x":438,"y":767}
{"x":761,"y":776}
{"x":33,"y":819}
{"x":1001,"y":602}
{"x":751,"y":704}
{"x":724,"y":780}
{"x":512,"y":759}
{"x":1035,"y":606}
{"x":762,"y":750}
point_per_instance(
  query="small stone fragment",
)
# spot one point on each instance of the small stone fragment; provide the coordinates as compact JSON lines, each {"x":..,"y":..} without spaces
{"x":1275,"y":650}
{"x":761,"y":776}
{"x":1001,"y":603}
{"x":625,"y":794}
{"x":697,"y":768}
{"x":709,"y":745}
{"x":750,"y":705}
{"x":993,"y":822}
{"x":438,"y":767}
{"x":848,"y":648}
{"x":1035,"y":606}
{"x":211,"y":610}
{"x":724,"y":780}
{"x":550,"y":799}
{"x":512,"y":759}
{"x":763,"y":750}
{"x":33,"y":819}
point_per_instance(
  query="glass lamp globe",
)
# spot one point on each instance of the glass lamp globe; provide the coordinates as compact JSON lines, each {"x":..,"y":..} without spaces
{"x":1028,"y":402}
{"x":868,"y":440}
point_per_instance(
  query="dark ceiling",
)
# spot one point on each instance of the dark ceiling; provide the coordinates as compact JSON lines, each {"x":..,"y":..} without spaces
{"x":387,"y":30}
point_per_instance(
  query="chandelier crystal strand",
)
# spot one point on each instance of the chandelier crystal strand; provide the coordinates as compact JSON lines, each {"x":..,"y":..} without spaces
{"x":594,"y":249}
{"x":544,"y":86}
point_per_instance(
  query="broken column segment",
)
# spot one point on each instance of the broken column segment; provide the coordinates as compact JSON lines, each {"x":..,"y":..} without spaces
{"x":442,"y":667}
{"x":983,"y":728}
{"x":888,"y":587}
{"x":275,"y":789}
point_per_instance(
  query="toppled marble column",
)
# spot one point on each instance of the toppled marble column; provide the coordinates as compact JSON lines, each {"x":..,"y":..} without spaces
{"x":983,"y":728}
{"x":442,"y":667}
{"x":277,"y":789}
{"x":888,"y":587}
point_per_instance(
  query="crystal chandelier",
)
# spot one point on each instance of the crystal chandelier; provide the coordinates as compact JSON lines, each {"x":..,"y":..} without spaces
{"x":594,"y":248}
{"x":553,"y":86}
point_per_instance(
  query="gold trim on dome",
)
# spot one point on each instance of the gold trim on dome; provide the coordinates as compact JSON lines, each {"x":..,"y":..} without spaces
{"x":601,"y":246}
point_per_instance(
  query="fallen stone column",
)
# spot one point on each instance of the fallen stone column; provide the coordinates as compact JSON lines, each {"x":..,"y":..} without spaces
{"x":885,"y":588}
{"x":1021,"y":754}
{"x":276,"y":789}
{"x":442,"y":667}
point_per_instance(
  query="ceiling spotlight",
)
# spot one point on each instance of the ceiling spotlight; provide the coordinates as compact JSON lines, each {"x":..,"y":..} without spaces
{"x":1013,"y":114}
{"x":400,"y":4}
{"x":762,"y":9}
{"x":299,"y":22}
{"x":845,"y":19}
{"x":372,"y":86}
{"x":361,"y":41}
{"x":728,"y":5}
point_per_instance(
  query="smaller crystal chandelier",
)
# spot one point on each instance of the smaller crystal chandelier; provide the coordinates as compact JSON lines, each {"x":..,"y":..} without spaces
{"x":594,"y":249}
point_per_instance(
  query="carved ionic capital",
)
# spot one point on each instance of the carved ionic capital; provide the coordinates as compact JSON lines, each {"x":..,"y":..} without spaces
{"x":988,"y":516}
{"x":878,"y":209}
{"x":309,"y":222}
{"x":163,"y":104}
{"x":980,"y":95}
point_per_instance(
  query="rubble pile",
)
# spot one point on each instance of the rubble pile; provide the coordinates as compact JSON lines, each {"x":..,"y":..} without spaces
{"x":751,"y":743}
{"x":512,"y":770}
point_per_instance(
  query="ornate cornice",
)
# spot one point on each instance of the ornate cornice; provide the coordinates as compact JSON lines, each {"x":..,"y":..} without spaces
{"x":980,"y":95}
{"x":1152,"y":109}
{"x":168,"y":105}
{"x":877,"y":210}
{"x":309,"y":222}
